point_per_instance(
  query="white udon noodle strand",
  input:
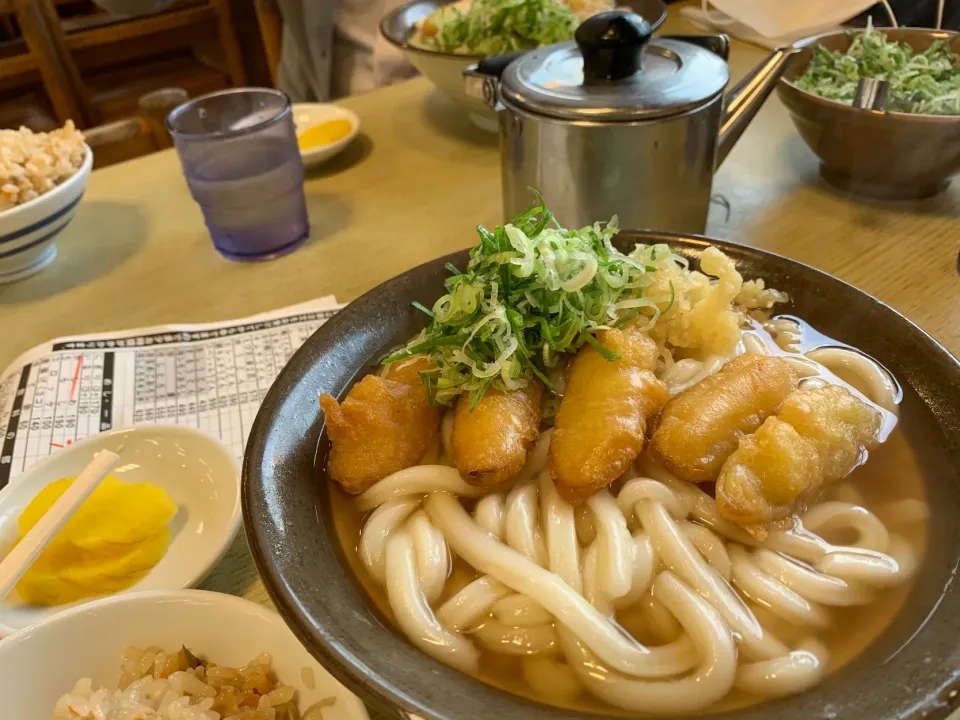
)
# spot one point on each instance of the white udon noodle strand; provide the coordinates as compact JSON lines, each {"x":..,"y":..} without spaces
{"x":833,"y":516}
{"x":522,"y":526}
{"x":520,"y":611}
{"x":472,"y":603}
{"x":676,"y":560}
{"x":522,"y":640}
{"x":490,"y":514}
{"x":560,"y":532}
{"x":875,"y":382}
{"x":643,"y":561}
{"x":570,"y":608}
{"x":688,"y":372}
{"x":433,"y":561}
{"x":614,"y":546}
{"x":377,"y":530}
{"x":811,"y":584}
{"x":710,"y":682}
{"x":766,"y":591}
{"x":414,"y":615}
{"x":800,"y":670}
{"x":418,"y":480}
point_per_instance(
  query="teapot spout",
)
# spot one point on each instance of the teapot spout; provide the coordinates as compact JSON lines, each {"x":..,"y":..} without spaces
{"x":743,"y":101}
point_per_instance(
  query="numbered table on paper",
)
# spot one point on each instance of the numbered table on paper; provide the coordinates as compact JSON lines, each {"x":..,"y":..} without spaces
{"x":211,"y":378}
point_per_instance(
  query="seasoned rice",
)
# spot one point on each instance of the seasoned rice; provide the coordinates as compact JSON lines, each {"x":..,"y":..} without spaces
{"x":155,"y":685}
{"x":32,"y":163}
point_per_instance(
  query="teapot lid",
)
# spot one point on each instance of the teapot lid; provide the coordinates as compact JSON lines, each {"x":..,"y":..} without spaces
{"x":616,"y":71}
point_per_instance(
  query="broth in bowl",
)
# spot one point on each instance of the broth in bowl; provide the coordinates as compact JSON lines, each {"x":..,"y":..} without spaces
{"x":608,"y":482}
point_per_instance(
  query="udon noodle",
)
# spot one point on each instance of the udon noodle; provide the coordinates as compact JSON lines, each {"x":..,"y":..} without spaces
{"x":644,"y":597}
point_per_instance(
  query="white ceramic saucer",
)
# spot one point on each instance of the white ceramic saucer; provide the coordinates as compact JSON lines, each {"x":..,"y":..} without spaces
{"x":201,"y":476}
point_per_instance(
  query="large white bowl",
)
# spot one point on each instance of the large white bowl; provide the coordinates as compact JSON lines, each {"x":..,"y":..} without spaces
{"x":444,"y":70}
{"x":42,"y":662}
{"x":27,"y":231}
{"x":200,"y":475}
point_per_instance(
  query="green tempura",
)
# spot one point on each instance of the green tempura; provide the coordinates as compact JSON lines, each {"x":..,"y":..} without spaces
{"x":925,"y":83}
{"x":494,"y":27}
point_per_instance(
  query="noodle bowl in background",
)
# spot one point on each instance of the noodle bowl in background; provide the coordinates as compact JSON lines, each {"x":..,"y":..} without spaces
{"x":645,"y":599}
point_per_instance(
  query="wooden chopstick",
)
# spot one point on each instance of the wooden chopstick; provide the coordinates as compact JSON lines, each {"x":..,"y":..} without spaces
{"x":23,"y":555}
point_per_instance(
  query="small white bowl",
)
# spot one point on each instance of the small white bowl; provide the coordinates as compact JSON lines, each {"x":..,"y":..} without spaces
{"x":201,"y":476}
{"x":27,"y":231}
{"x":307,"y":115}
{"x":41,"y":663}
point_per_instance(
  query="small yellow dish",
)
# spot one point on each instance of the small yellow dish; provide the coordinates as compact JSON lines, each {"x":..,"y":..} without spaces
{"x":323,"y":130}
{"x":167,"y":466}
{"x":324,"y":134}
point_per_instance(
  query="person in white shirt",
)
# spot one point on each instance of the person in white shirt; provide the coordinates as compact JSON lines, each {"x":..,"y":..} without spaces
{"x":333,"y":48}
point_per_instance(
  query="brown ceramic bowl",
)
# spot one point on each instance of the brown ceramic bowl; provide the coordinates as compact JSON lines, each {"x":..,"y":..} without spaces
{"x":882,"y":154}
{"x":911,"y":671}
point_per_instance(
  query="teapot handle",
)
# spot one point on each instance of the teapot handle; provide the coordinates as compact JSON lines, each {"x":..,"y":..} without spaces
{"x":482,"y":81}
{"x":496,"y":64}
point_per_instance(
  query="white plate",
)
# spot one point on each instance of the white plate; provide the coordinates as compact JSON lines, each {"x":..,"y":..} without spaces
{"x":201,"y":476}
{"x":306,"y":115}
{"x":41,"y":663}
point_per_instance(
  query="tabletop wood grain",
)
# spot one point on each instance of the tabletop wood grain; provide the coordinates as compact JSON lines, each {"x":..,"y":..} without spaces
{"x":414,"y":186}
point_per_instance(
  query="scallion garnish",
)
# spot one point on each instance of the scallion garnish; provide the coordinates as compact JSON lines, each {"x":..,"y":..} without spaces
{"x":533,"y":291}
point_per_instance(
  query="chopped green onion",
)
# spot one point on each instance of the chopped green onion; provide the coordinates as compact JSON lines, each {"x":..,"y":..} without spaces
{"x":495,"y":27}
{"x":532,"y":292}
{"x":421,"y":308}
{"x":607,"y":355}
{"x":925,"y":82}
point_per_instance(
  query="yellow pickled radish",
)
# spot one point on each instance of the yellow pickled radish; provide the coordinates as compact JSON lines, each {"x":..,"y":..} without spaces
{"x":324,"y":134}
{"x":115,"y":538}
{"x":59,"y":583}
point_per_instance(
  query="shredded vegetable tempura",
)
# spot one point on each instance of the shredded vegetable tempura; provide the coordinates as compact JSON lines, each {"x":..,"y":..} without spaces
{"x":534,"y":291}
{"x":493,"y":27}
{"x":927,"y":82}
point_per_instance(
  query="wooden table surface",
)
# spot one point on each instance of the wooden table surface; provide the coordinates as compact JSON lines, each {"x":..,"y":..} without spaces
{"x":413,"y":187}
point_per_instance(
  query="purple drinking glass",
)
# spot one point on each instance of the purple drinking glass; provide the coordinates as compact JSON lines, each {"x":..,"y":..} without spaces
{"x":239,"y":153}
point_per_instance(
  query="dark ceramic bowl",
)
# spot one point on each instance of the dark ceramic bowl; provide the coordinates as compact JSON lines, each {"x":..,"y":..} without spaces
{"x":909,"y":672}
{"x":881,"y":154}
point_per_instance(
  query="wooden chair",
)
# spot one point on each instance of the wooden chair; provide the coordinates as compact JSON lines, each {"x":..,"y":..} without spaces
{"x":100,"y":30}
{"x":134,"y":136}
{"x":70,"y":54}
{"x":41,"y":51}
{"x":271,"y":33}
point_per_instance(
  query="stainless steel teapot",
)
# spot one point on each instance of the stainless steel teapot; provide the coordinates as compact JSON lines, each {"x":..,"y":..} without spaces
{"x":618,"y":122}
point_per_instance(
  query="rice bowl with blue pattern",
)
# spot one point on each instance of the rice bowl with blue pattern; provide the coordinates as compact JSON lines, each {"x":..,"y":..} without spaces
{"x":42,"y":179}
